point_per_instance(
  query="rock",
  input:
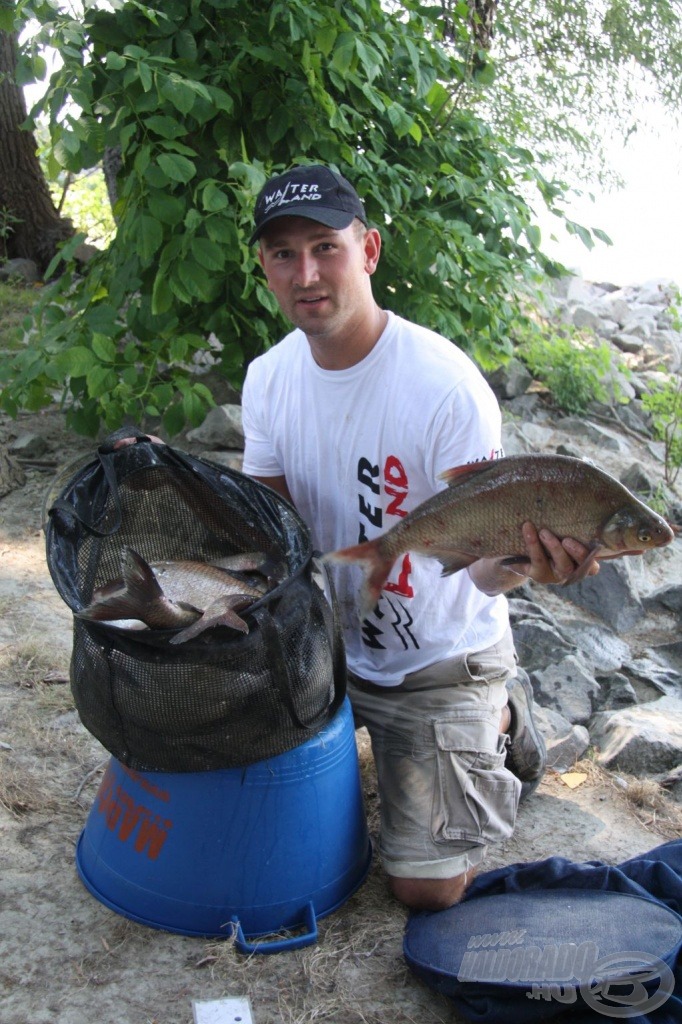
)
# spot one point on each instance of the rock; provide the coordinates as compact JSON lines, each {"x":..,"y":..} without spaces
{"x":671,"y":656}
{"x":616,"y":692}
{"x":628,"y":342}
{"x":650,"y":679}
{"x":231,"y":460}
{"x":565,"y":743}
{"x":25,"y":270}
{"x":668,"y":596}
{"x":585,"y":317}
{"x":567,"y":687}
{"x":537,"y":435}
{"x":612,"y":594}
{"x":637,"y":478}
{"x":12,"y":474}
{"x":510,"y":380}
{"x":29,"y":446}
{"x":607,"y":439}
{"x":527,"y":407}
{"x":538,"y":644}
{"x":604,"y":651}
{"x":521,"y":608}
{"x":643,"y":739}
{"x":567,"y":449}
{"x":222,"y":428}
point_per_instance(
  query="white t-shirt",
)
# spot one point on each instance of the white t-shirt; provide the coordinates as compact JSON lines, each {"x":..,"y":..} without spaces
{"x":361,"y":448}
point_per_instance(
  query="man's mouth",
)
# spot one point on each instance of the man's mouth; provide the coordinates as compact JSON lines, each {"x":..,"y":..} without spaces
{"x":311,"y":300}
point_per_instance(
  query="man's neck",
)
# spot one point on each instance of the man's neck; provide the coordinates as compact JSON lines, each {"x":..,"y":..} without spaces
{"x":354,"y":345}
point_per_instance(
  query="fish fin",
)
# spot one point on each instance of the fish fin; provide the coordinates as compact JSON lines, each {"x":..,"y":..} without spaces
{"x":460,"y":474}
{"x":128,"y":598}
{"x":117,"y":606}
{"x":141,"y":584}
{"x":515,"y":560}
{"x":580,"y":571}
{"x":376,"y":567}
{"x":452,"y":562}
{"x":220,"y":612}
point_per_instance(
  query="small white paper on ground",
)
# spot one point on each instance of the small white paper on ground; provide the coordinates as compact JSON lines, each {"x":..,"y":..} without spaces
{"x":222,"y":1011}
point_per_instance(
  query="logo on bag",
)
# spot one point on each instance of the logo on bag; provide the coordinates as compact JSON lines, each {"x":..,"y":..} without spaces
{"x":628,"y":992}
{"x":619,"y":986}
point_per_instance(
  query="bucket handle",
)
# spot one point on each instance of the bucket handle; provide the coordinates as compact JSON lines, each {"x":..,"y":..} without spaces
{"x":279,"y":945}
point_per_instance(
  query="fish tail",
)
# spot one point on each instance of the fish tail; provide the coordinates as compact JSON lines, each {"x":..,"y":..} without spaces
{"x":141,"y":584}
{"x":140,"y":590}
{"x":376,"y":565}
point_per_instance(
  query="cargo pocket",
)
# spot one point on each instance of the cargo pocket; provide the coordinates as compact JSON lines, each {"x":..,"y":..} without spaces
{"x":476,"y":796}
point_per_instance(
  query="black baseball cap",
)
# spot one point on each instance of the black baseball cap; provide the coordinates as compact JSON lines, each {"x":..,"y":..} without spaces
{"x":311,"y":191}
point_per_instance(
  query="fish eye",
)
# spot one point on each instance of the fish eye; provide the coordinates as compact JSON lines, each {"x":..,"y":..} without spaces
{"x":644,"y":535}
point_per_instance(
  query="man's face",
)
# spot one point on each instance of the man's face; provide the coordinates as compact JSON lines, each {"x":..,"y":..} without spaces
{"x":320,"y":276}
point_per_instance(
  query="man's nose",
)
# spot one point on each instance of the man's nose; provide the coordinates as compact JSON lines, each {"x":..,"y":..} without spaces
{"x":306,"y":271}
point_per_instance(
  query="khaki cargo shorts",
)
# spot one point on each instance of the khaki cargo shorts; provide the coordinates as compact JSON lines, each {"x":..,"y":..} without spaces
{"x":444,"y":791}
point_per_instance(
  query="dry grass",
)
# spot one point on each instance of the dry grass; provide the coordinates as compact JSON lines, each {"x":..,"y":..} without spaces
{"x":644,"y":799}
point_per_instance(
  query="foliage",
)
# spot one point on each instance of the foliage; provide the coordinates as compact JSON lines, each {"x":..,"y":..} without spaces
{"x":570,"y":363}
{"x":572,"y":74}
{"x":16,"y":303}
{"x":8,"y":223}
{"x":206,"y":99}
{"x":664,"y":404}
{"x":83,"y":198}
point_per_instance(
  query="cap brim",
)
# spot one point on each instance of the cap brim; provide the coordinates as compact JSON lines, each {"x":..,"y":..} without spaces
{"x":337,"y":219}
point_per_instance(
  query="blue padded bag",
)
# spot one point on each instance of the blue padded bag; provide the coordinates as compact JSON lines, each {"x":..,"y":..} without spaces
{"x":555,"y":939}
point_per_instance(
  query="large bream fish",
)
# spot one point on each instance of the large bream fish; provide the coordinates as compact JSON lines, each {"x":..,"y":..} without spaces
{"x":173,"y":595}
{"x":481,"y":513}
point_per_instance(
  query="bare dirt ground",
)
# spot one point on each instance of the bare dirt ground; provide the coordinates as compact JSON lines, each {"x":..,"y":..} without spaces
{"x":67,"y":959}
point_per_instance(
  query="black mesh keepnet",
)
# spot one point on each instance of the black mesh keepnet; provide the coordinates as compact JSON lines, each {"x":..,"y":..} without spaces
{"x":223,"y":699}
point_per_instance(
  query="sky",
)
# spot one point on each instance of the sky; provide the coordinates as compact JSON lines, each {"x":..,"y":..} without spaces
{"x":643,"y":219}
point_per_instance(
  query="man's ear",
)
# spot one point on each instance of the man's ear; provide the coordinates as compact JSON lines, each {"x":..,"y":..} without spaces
{"x":372,"y":247}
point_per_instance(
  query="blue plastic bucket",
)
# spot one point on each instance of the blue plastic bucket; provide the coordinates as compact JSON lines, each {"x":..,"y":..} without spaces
{"x":252,"y":851}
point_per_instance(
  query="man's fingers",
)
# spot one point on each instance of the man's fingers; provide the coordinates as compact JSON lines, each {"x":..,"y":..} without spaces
{"x":553,"y":560}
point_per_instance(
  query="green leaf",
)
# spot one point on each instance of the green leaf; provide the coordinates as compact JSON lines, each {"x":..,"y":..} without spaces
{"x":99,"y":380}
{"x":162,"y":295}
{"x":149,"y":237}
{"x":7,"y":16}
{"x":325,"y":38}
{"x":114,"y":61}
{"x":76,"y":361}
{"x":173,"y":419}
{"x":208,"y":254}
{"x":213,"y":198}
{"x":145,"y":75}
{"x":104,"y":348}
{"x":186,"y":46}
{"x":167,"y":208}
{"x":178,"y":349}
{"x":344,"y":53}
{"x":165,"y":126}
{"x":176,"y":167}
{"x":179,"y":92}
{"x":400,"y":120}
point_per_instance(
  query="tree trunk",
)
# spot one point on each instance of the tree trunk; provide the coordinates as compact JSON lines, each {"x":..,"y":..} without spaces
{"x":30,"y":226}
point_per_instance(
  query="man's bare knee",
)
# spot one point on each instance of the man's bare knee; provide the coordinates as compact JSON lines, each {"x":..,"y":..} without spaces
{"x":429,"y":893}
